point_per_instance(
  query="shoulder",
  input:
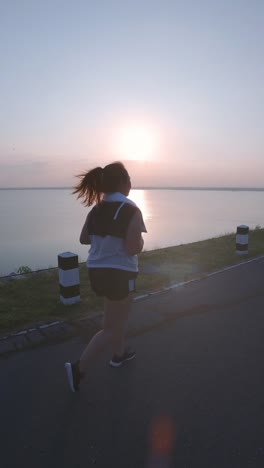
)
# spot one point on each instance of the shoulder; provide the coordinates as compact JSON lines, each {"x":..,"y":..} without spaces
{"x":137,"y":222}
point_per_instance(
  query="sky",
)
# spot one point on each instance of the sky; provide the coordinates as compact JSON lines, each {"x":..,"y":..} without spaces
{"x":174,"y":89}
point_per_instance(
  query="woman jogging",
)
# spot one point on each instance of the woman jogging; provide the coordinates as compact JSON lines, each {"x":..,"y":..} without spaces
{"x":113,"y":228}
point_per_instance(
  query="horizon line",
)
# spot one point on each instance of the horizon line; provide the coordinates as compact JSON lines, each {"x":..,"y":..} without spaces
{"x":169,"y":187}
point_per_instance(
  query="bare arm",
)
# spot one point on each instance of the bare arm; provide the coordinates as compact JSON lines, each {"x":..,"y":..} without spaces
{"x":134,"y":241}
{"x":84,"y":237}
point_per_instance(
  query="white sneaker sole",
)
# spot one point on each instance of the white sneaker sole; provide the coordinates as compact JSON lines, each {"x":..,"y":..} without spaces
{"x":118,"y":364}
{"x":68,"y":368}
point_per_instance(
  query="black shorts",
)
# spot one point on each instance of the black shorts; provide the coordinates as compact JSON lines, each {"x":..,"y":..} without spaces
{"x":112,"y":283}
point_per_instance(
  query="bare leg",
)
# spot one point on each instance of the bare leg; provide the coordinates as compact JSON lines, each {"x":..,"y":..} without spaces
{"x":116,"y":317}
{"x":112,"y":335}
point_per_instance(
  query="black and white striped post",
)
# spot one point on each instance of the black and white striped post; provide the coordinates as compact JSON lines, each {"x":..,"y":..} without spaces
{"x":69,"y":278}
{"x":242,"y":240}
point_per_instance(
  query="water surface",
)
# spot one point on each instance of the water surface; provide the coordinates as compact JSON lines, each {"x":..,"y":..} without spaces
{"x":38,"y":224}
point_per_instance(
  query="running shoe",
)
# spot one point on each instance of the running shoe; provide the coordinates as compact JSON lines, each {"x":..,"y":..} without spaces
{"x":117,"y":361}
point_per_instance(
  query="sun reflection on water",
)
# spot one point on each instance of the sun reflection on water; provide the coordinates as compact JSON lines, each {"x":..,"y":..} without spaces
{"x":139,"y":197}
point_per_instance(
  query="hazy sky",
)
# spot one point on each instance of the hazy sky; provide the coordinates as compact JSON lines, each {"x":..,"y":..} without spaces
{"x":175,"y":89}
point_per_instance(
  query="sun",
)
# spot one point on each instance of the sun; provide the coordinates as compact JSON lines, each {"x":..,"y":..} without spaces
{"x":136,"y":142}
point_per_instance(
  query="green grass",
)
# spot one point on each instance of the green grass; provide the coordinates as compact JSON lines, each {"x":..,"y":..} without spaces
{"x":34,"y":299}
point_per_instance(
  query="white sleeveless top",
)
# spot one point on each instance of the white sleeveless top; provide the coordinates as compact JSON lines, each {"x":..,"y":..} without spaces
{"x":108,"y":251}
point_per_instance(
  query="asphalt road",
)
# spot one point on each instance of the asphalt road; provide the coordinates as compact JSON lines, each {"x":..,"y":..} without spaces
{"x":202,"y":371}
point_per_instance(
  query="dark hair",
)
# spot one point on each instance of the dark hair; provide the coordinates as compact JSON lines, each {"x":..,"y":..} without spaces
{"x":97,"y":181}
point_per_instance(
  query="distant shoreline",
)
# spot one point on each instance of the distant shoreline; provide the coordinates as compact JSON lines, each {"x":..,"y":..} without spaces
{"x":222,"y":189}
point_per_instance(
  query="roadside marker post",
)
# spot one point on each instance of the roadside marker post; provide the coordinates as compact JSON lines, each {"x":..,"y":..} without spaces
{"x":69,"y":278}
{"x":242,"y":239}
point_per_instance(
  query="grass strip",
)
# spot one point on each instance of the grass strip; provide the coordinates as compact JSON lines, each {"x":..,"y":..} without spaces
{"x":33,"y":299}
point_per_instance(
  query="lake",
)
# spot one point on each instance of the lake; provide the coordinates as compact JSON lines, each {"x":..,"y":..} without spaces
{"x":38,"y":224}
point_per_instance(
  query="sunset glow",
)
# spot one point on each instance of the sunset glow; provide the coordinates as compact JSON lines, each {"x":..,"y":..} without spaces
{"x":82,"y":88}
{"x":136,"y":142}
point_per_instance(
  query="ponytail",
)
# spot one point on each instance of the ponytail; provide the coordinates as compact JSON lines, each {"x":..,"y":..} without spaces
{"x":97,"y":181}
{"x":90,"y":186}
